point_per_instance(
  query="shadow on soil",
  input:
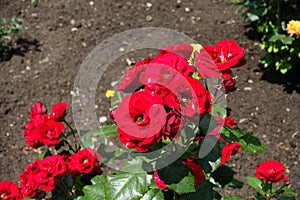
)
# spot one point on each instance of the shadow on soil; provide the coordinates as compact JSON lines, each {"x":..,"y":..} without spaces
{"x":290,"y":80}
{"x":21,"y":47}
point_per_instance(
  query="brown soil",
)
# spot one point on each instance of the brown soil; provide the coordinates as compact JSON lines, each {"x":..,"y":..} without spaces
{"x":43,"y":65}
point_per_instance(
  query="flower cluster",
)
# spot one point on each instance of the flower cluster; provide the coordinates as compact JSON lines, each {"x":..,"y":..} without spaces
{"x":167,"y":92}
{"x":44,"y":175}
{"x":43,"y":129}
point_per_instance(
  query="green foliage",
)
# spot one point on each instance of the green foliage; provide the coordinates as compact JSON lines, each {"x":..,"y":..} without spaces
{"x":7,"y":29}
{"x":121,"y":186}
{"x":248,"y":141}
{"x":270,"y":19}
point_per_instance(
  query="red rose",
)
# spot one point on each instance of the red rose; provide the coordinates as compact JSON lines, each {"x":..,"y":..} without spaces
{"x":38,"y":109}
{"x":59,"y":111}
{"x":272,"y":171}
{"x":140,"y":118}
{"x":196,"y":169}
{"x":226,"y":54}
{"x":228,"y":85}
{"x":184,"y":49}
{"x":9,"y":191}
{"x":49,"y":171}
{"x":173,"y":125}
{"x":130,"y":81}
{"x":195,"y":100}
{"x":231,"y":123}
{"x":84,"y":161}
{"x":205,"y":65}
{"x":174,"y":61}
{"x":49,"y":132}
{"x":29,"y":187}
{"x":228,"y":150}
{"x":42,"y":174}
{"x":31,"y":133}
{"x":159,"y":183}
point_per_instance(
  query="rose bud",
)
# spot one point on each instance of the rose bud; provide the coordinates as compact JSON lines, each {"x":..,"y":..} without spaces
{"x":228,"y":85}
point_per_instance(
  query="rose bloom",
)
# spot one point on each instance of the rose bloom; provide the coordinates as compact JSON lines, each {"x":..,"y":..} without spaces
{"x":231,"y":123}
{"x":228,"y":150}
{"x":9,"y":191}
{"x":84,"y":161}
{"x":130,"y":81}
{"x":228,"y":85}
{"x":173,"y":125}
{"x":49,"y":132}
{"x":140,"y":118}
{"x":184,"y":49}
{"x":272,"y":171}
{"x":195,"y":100}
{"x":29,"y":187}
{"x":293,"y":27}
{"x":59,"y":111}
{"x":31,"y":133}
{"x":38,"y":109}
{"x":226,"y":54}
{"x":175,"y":61}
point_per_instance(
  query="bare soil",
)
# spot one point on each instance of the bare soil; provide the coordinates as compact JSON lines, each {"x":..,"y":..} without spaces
{"x":58,"y":35}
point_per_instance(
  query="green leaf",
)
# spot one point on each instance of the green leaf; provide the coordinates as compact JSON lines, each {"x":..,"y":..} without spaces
{"x":255,"y":183}
{"x":236,"y":184}
{"x":287,"y":198}
{"x":217,"y":110}
{"x":248,"y":141}
{"x":173,"y":173}
{"x":153,"y":194}
{"x":204,"y":191}
{"x":289,"y":191}
{"x":186,"y":185}
{"x":252,"y":17}
{"x":118,"y":187}
{"x":285,"y":39}
{"x":223,"y":175}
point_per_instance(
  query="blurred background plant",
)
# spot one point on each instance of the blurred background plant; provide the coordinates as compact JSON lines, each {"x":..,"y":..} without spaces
{"x":270,"y":19}
{"x":7,"y":29}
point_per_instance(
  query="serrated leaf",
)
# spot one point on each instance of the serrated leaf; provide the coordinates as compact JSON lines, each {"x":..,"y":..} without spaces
{"x":118,"y":187}
{"x":236,"y":184}
{"x":186,"y":185}
{"x":128,"y":186}
{"x":167,"y":174}
{"x":217,"y":110}
{"x":255,"y":183}
{"x":204,"y":191}
{"x":289,"y":191}
{"x":223,"y":175}
{"x":248,"y":141}
{"x":153,"y":194}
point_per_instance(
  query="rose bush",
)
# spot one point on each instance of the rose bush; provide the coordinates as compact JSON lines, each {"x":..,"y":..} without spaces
{"x":175,"y":136}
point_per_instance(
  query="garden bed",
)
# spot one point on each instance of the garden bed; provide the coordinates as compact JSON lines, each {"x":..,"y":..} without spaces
{"x":58,"y":35}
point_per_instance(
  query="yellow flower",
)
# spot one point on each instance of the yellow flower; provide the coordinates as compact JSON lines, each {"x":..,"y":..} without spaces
{"x":293,"y":27}
{"x":109,"y":93}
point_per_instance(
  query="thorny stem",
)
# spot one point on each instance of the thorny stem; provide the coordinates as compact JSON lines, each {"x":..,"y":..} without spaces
{"x":69,"y":145}
{"x":63,"y":187}
{"x":73,"y":133}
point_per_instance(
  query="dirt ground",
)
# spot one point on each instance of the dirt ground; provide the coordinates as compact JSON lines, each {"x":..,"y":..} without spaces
{"x":58,"y":35}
